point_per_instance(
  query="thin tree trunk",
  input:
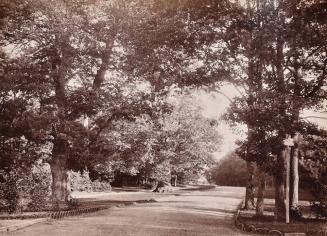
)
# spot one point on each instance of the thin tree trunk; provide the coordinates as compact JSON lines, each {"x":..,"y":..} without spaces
{"x":249,"y":192}
{"x":261,"y":192}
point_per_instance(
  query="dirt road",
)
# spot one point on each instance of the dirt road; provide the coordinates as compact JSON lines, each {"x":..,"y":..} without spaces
{"x":196,"y":212}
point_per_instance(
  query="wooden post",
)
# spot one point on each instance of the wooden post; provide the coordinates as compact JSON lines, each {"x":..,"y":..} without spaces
{"x":294,"y":188}
{"x":288,"y":142}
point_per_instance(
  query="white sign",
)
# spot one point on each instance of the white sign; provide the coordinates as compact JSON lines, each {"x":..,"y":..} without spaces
{"x":288,"y":142}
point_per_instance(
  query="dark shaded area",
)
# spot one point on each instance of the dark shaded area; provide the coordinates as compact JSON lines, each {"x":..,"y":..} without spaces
{"x":198,"y":187}
{"x":231,"y":171}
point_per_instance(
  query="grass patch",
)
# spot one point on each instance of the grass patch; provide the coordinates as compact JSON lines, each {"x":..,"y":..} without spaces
{"x":308,"y":226}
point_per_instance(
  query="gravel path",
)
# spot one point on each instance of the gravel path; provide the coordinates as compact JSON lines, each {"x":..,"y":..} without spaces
{"x":186,"y":213}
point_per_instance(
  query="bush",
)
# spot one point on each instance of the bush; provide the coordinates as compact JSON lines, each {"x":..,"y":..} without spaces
{"x":82,"y":182}
{"x":314,"y":171}
{"x":99,"y":186}
{"x":25,"y":189}
{"x":9,"y":197}
{"x":231,"y":171}
{"x":39,"y":191}
{"x":319,"y":192}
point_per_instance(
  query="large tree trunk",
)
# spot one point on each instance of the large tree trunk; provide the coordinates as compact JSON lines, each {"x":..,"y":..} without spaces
{"x":279,"y":180}
{"x":279,"y":176}
{"x":60,"y":190}
{"x":249,"y":192}
{"x":261,"y":192}
{"x":279,"y":198}
{"x":60,"y":193}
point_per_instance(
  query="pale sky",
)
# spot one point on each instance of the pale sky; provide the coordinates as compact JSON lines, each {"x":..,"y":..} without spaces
{"x":215,"y":104}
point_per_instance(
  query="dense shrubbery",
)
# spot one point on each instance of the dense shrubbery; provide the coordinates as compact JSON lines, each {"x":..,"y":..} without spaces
{"x":29,"y":190}
{"x":314,"y":171}
{"x":79,"y":181}
{"x":8,"y":193}
{"x":101,"y":186}
{"x":39,"y":189}
{"x":25,"y":189}
{"x":82,"y":182}
{"x":231,"y":171}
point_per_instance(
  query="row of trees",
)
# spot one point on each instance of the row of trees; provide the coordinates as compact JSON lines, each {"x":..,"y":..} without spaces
{"x":274,"y":55}
{"x":278,"y":63}
{"x":84,"y":84}
{"x":285,"y":76}
{"x":104,"y":63}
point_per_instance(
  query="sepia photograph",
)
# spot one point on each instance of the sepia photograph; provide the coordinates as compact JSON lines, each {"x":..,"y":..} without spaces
{"x":163,"y":117}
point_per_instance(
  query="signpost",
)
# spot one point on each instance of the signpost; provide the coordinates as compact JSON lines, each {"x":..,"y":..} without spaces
{"x":288,"y":142}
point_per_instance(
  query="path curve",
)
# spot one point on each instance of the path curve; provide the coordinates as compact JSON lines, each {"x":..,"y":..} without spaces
{"x":187,"y":213}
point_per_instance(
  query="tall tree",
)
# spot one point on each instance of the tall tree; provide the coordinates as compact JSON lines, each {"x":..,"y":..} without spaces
{"x":70,"y":55}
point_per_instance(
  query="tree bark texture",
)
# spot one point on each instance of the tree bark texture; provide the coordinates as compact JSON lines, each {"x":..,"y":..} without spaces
{"x":261,"y":191}
{"x":105,"y":57}
{"x":279,"y":180}
{"x":249,"y":192}
{"x":60,"y":191}
{"x":279,"y":176}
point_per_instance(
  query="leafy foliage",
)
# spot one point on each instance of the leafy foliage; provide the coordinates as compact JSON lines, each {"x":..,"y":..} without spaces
{"x":26,"y":189}
{"x":179,"y":143}
{"x":314,"y":170}
{"x":82,"y":182}
{"x":230,"y":171}
{"x":85,"y":83}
